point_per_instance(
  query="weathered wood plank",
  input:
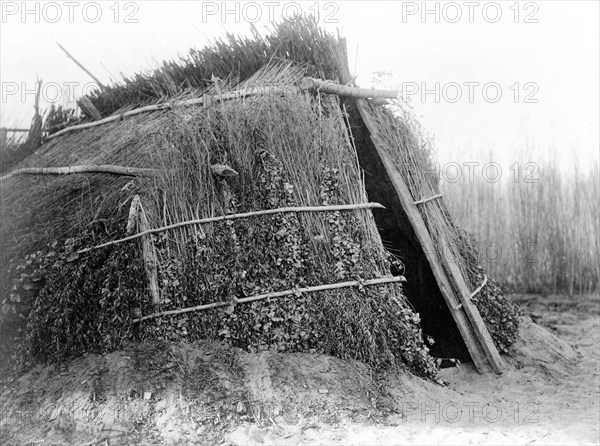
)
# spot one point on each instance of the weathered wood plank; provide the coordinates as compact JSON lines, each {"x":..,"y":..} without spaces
{"x":149,"y":256}
{"x":477,"y":323}
{"x":87,"y":106}
{"x":137,"y":217}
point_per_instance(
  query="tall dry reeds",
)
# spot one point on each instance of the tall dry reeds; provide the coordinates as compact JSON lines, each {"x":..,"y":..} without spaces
{"x":538,"y":224}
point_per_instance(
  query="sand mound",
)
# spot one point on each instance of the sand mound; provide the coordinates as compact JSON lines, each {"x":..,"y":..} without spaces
{"x":209,"y":393}
{"x":172,"y":393}
{"x":537,"y":346}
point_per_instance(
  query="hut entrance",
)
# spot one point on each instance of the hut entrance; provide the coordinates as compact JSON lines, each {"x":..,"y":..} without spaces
{"x":399,"y":237}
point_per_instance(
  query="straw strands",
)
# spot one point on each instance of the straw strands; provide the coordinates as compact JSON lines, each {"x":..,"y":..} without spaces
{"x":290,"y":151}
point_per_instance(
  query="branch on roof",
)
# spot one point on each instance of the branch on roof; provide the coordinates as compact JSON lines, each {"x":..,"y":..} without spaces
{"x":100,"y":168}
{"x":207,"y":99}
{"x":309,"y":83}
{"x":203,"y":100}
{"x":102,"y":87}
{"x":221,"y":170}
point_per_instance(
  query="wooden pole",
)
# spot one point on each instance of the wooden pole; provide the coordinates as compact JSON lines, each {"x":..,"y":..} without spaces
{"x":311,"y":289}
{"x":477,"y":322}
{"x":102,"y":87}
{"x":34,"y":136}
{"x":341,"y":207}
{"x":215,"y":169}
{"x":305,"y":84}
{"x":476,"y":337}
{"x":36,"y":105}
{"x":67,"y":170}
{"x":309,"y":83}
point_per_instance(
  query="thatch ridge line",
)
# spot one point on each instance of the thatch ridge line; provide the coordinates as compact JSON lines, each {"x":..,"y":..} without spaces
{"x":341,"y":207}
{"x":310,"y":289}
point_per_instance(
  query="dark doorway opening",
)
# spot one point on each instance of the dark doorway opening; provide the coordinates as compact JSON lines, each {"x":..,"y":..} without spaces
{"x":399,"y":237}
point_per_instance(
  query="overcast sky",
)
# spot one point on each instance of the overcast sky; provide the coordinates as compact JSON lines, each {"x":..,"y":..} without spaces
{"x":497,"y":75}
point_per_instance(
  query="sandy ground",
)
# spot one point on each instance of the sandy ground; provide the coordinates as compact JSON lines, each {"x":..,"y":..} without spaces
{"x":207,"y":393}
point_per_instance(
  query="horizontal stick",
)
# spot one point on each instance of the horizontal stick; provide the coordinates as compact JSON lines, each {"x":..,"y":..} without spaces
{"x":425,"y":200}
{"x":310,"y":289}
{"x":306,"y":84}
{"x":238,"y":94}
{"x":474,"y":293}
{"x":341,"y":207}
{"x":309,"y":83}
{"x":93,"y":168}
{"x":216,"y":169}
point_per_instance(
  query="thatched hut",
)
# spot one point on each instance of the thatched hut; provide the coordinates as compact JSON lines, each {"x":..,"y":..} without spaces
{"x":262,"y":203}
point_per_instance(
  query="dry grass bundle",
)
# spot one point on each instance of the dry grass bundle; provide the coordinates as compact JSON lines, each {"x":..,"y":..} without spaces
{"x":289,"y":150}
{"x":309,"y":143}
{"x":37,"y":210}
{"x":234,"y":58}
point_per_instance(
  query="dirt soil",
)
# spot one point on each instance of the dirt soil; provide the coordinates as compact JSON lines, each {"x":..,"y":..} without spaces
{"x":209,"y":393}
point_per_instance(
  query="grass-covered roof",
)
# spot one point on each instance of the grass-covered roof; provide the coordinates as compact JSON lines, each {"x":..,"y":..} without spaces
{"x":291,"y":149}
{"x":234,"y":58}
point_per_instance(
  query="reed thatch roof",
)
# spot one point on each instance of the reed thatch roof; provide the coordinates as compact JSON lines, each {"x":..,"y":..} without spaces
{"x":235,"y":59}
{"x":290,"y":148}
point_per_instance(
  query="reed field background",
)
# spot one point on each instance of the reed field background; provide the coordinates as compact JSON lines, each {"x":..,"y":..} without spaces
{"x":536,"y":222}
